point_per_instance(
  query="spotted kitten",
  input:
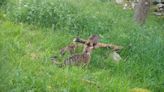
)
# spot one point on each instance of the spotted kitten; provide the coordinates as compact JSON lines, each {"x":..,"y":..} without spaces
{"x":80,"y":59}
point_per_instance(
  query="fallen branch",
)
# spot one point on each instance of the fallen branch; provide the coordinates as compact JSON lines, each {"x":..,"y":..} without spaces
{"x":99,"y":45}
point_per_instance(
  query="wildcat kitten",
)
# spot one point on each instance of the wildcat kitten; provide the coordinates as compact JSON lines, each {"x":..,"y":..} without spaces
{"x":80,"y":59}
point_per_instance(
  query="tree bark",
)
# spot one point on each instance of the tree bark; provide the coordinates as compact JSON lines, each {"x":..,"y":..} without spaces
{"x":141,"y":11}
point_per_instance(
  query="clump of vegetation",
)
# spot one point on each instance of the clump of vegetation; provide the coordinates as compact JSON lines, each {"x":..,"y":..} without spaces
{"x":65,"y":15}
{"x":2,"y":3}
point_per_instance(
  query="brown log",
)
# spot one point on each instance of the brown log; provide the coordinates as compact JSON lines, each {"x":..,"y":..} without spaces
{"x":99,"y":45}
{"x":112,"y":46}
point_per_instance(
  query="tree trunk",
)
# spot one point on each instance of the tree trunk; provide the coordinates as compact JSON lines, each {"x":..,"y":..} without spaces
{"x":141,"y":11}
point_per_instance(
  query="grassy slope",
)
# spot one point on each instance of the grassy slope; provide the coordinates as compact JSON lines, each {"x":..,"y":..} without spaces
{"x":25,"y":64}
{"x":25,"y":52}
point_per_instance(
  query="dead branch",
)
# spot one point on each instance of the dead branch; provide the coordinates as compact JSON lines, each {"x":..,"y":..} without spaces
{"x":79,"y":40}
{"x":99,"y":45}
{"x":112,"y":46}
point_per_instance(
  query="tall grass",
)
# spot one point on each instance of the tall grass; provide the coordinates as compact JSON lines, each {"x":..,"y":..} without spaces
{"x":25,"y":47}
{"x":74,"y":15}
{"x":3,"y":3}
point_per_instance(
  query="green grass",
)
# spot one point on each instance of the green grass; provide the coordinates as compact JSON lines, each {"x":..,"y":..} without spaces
{"x":26,"y":46}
